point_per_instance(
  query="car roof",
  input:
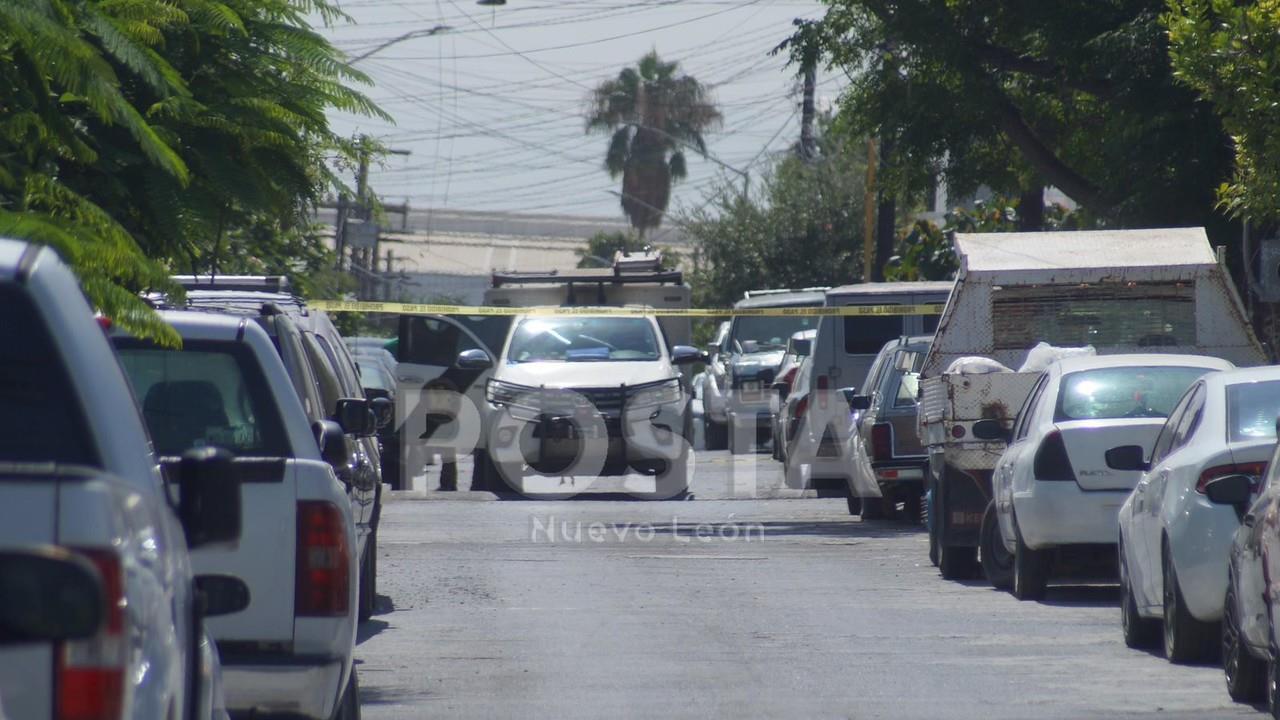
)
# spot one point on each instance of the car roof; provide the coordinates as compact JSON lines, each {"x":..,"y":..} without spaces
{"x":1093,"y":362}
{"x":786,"y":298}
{"x":1244,"y":375}
{"x":893,"y":288}
{"x":805,"y":334}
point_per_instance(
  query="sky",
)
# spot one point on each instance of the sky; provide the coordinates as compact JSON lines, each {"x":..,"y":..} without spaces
{"x":491,"y":108}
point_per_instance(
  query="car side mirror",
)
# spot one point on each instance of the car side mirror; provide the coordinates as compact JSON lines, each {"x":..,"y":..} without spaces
{"x":221,"y":594}
{"x":990,"y":429}
{"x":474,"y":359}
{"x":712,"y":350}
{"x":749,"y":346}
{"x":48,"y":594}
{"x":1127,"y":457}
{"x":208,"y":496}
{"x":354,"y":416}
{"x":332,"y":442}
{"x":684,"y":355}
{"x":783,"y":389}
{"x":384,"y":411}
{"x":859,"y":402}
{"x":1234,"y":490}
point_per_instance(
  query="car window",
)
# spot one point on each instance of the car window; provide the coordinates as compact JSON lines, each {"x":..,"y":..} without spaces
{"x":1121,"y":392}
{"x":769,"y":332}
{"x":1023,"y":424}
{"x":347,"y":375}
{"x":326,"y":379}
{"x":583,"y":339}
{"x":206,"y":394}
{"x":864,"y":335}
{"x":908,"y":390}
{"x":1164,"y":440}
{"x":1252,"y":409}
{"x":43,"y":420}
{"x":1190,"y":419}
{"x":289,"y":343}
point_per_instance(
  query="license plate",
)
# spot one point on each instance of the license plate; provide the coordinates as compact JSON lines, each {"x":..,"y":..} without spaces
{"x":751,"y":386}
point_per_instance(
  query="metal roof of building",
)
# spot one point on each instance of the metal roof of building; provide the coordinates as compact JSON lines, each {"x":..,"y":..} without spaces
{"x":1084,"y":249}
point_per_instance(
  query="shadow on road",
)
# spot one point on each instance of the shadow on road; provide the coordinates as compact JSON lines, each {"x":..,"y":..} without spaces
{"x":378,"y":695}
{"x":368,"y":629}
{"x":781,"y":529}
{"x":1095,"y":596}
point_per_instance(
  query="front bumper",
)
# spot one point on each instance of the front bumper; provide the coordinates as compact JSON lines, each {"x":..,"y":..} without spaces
{"x":1053,"y":514}
{"x":296,"y":686}
{"x":553,"y":442}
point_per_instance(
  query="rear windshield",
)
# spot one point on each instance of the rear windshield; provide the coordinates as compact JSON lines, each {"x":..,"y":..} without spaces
{"x":1252,"y":409}
{"x":770,"y":333}
{"x":866,"y":335}
{"x":1123,"y":392}
{"x":207,"y":394}
{"x":42,"y":419}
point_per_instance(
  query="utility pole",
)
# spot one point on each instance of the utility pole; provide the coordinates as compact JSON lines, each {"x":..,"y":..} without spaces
{"x":364,"y":260}
{"x":808,"y":148}
{"x":869,"y":213}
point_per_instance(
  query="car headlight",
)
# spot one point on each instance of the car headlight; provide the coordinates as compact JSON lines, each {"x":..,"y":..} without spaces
{"x":663,"y":392}
{"x":505,"y":393}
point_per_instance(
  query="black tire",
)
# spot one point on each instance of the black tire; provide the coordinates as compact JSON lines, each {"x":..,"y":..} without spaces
{"x":1246,"y":675}
{"x":485,"y":474}
{"x":792,"y":474}
{"x":1140,"y":633}
{"x":1273,"y":683}
{"x":997,"y":561}
{"x":1030,"y":569}
{"x":957,"y":562}
{"x":673,"y":482}
{"x":369,"y":578}
{"x":872,"y":509}
{"x":1186,"y":639}
{"x":853,"y":502}
{"x":714,"y":434}
{"x":349,"y":704}
{"x":931,"y":523}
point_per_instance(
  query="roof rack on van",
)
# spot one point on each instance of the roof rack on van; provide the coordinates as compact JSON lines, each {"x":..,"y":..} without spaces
{"x":244,"y":283}
{"x":782,"y":291}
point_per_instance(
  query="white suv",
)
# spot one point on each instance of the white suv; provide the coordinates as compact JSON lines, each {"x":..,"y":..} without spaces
{"x":585,"y":395}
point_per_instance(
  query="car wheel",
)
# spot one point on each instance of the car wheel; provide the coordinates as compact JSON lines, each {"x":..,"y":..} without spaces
{"x":1186,"y":639}
{"x":930,"y":523}
{"x":673,"y":481}
{"x":735,"y":444}
{"x":997,"y":562}
{"x":792,"y":474}
{"x":713,"y":434}
{"x":957,"y":562}
{"x":349,"y":704}
{"x":1030,"y":569}
{"x":853,"y":501}
{"x":1139,"y":633}
{"x":369,"y":578}
{"x":1273,"y":683}
{"x":1245,"y":673}
{"x":872,"y":509}
{"x":485,"y":474}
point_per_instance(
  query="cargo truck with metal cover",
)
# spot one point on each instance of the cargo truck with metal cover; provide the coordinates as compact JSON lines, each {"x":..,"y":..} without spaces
{"x":1118,"y":291}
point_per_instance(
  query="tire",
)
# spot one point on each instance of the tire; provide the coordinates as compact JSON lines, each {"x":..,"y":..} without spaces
{"x":872,"y":509}
{"x":1246,"y":675}
{"x":1139,"y":633}
{"x":1186,"y":639}
{"x":852,"y":501}
{"x":1273,"y":683}
{"x":673,"y":482}
{"x":997,"y":562}
{"x":930,"y":524}
{"x":349,"y":704}
{"x":792,"y":474}
{"x":369,"y":578}
{"x":714,"y":434}
{"x":734,"y":447}
{"x":957,"y":562}
{"x":485,"y":474}
{"x":1030,"y":569}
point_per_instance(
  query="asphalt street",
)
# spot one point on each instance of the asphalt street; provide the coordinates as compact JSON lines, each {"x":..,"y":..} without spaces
{"x":745,"y":600}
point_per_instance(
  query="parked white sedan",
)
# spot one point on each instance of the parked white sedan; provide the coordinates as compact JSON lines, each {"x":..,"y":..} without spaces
{"x":1174,"y":542}
{"x":1051,"y":488}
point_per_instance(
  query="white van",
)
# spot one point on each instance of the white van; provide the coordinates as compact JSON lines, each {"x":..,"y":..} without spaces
{"x":847,"y":345}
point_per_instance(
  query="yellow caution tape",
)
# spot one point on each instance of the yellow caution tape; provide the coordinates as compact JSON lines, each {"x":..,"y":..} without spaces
{"x":395,"y":308}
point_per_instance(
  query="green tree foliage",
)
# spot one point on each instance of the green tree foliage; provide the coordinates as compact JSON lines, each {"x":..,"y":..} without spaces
{"x":804,"y":230}
{"x":1074,"y":94}
{"x":140,"y":137}
{"x":1230,"y":53}
{"x":652,"y":114}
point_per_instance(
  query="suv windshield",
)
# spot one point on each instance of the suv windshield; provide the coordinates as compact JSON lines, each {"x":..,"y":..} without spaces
{"x":1124,"y":392}
{"x":591,"y":339}
{"x":769,"y":333}
{"x":207,"y":394}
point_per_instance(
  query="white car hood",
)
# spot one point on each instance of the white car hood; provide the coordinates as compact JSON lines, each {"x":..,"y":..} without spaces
{"x":584,"y":374}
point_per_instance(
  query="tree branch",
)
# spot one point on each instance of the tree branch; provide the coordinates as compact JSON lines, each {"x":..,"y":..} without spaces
{"x":1045,"y":161}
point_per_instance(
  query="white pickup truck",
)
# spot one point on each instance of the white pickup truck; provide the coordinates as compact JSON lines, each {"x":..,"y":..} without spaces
{"x":77,"y":471}
{"x":291,"y":649}
{"x":1119,"y":291}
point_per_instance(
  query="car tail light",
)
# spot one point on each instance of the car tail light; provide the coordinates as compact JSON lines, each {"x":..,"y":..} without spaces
{"x":789,"y":375}
{"x":90,"y":672}
{"x":323,"y":582}
{"x":802,"y":406}
{"x":1051,"y":461}
{"x":881,"y":441}
{"x":1254,"y":470}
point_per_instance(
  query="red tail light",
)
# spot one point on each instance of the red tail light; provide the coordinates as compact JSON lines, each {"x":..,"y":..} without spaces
{"x":802,"y":406}
{"x":1051,"y":461}
{"x":90,"y":673}
{"x":789,"y":376}
{"x":881,"y":441}
{"x":1254,"y":470}
{"x":323,"y":583}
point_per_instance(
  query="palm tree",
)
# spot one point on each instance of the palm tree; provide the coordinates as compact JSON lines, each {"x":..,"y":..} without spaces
{"x":652,"y":114}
